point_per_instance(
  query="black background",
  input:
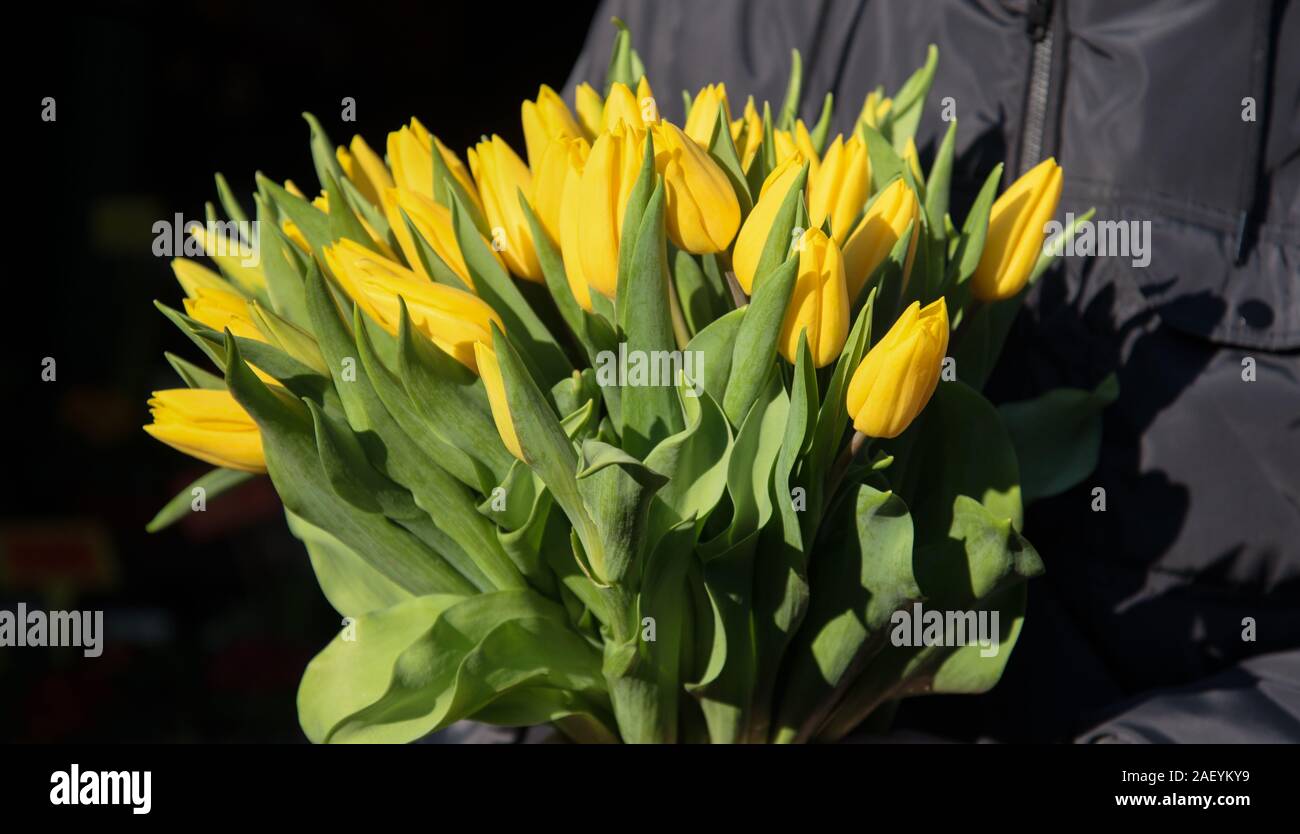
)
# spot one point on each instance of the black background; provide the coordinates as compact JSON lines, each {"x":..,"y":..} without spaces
{"x":211,"y":622}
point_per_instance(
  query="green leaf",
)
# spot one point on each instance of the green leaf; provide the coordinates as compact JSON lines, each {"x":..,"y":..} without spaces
{"x":715,"y":344}
{"x":905,"y":114}
{"x":1058,"y":436}
{"x":192,"y":375}
{"x":958,"y":446}
{"x":349,"y":583}
{"x":429,"y":661}
{"x":550,"y":453}
{"x":695,"y":461}
{"x":755,"y":345}
{"x":970,"y":244}
{"x":822,"y":129}
{"x":650,"y":411}
{"x":229,"y":204}
{"x":213,"y":484}
{"x":862,"y":574}
{"x":638,"y":204}
{"x":293,"y":462}
{"x":495,"y":286}
{"x":793,"y":92}
{"x":284,"y":283}
{"x":723,"y":150}
{"x":703,"y":301}
{"x":624,"y":64}
{"x":749,"y":474}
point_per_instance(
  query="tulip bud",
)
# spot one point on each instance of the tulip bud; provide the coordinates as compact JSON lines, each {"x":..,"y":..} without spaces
{"x":322,"y":202}
{"x":621,"y":106}
{"x":608,"y":177}
{"x":230,"y":252}
{"x":747,"y":133}
{"x":191,"y":275}
{"x":501,"y":175}
{"x":899,"y":375}
{"x":545,"y":120}
{"x":490,"y":371}
{"x":410,"y":153}
{"x":875,"y":109}
{"x":221,"y":310}
{"x":884,"y":222}
{"x":590,"y":106}
{"x":365,"y":169}
{"x":570,"y":238}
{"x":433,"y":222}
{"x":701,"y":210}
{"x":797,"y":141}
{"x":550,"y":175}
{"x":1016,"y":232}
{"x":841,"y":186}
{"x":209,"y":425}
{"x":758,"y":225}
{"x":819,"y":304}
{"x":703,"y":118}
{"x":450,"y":318}
{"x":913,"y":160}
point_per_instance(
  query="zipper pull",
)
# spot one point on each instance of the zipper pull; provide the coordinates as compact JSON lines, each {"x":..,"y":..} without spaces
{"x":1039,"y":15}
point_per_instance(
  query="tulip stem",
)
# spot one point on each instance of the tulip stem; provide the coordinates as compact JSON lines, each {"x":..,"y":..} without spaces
{"x":680,"y":330}
{"x":851,"y":450}
{"x":738,"y":296}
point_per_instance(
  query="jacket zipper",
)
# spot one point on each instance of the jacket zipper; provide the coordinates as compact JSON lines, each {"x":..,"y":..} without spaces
{"x":1039,"y":21}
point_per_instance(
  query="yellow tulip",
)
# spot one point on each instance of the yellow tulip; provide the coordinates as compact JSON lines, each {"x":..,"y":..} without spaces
{"x":620,"y":106}
{"x":819,"y":304}
{"x":899,"y":375}
{"x":747,"y":133}
{"x":797,"y":141}
{"x":366,"y":170}
{"x":322,"y":202}
{"x":230,"y":253}
{"x":913,"y":160}
{"x":1016,"y":233}
{"x":590,"y":107}
{"x":208,"y":425}
{"x":433,"y":222}
{"x":703,"y":117}
{"x":753,"y":235}
{"x":875,"y":109}
{"x":701,"y":210}
{"x":841,"y":186}
{"x":222,"y":310}
{"x":410,"y":153}
{"x":645,"y":100}
{"x":549,"y":177}
{"x":608,"y":176}
{"x":571,"y":215}
{"x":450,"y":318}
{"x":192,"y":275}
{"x":501,"y":175}
{"x":545,"y":119}
{"x":490,"y":370}
{"x":885,"y":221}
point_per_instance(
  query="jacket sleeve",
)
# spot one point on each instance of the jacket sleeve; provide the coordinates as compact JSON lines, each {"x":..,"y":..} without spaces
{"x":1257,"y":701}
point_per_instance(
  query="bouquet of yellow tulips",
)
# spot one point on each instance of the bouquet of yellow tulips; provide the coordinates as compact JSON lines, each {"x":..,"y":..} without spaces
{"x":659,"y":434}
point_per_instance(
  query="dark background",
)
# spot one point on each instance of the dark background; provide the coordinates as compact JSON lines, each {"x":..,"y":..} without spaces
{"x":211,"y":622}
